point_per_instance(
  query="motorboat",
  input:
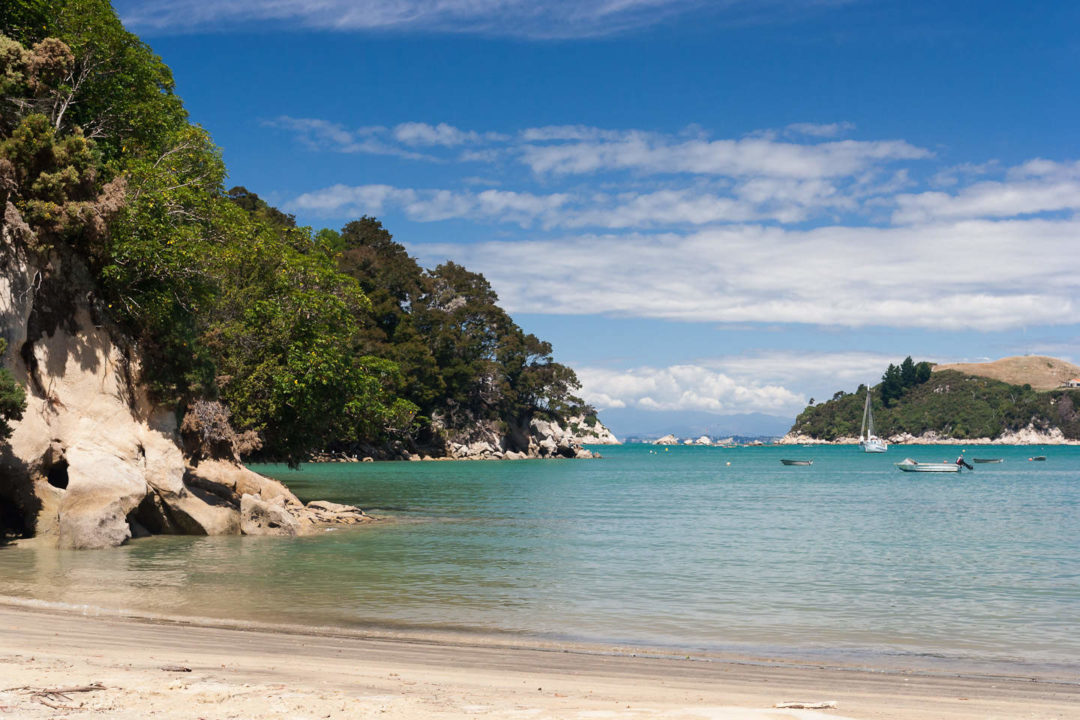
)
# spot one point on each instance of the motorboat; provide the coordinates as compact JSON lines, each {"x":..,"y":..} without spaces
{"x":797,"y":462}
{"x":909,"y":465}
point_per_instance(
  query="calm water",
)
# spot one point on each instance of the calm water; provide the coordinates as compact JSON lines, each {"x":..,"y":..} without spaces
{"x":700,"y":549}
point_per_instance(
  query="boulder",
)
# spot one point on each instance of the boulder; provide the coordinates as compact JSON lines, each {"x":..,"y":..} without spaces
{"x":322,"y":512}
{"x":262,"y":517}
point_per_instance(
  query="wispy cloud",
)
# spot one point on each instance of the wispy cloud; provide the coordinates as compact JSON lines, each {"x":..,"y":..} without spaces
{"x":431,"y":205}
{"x":551,"y":19}
{"x":1038,"y":186}
{"x":579,"y":150}
{"x":752,"y":156}
{"x":748,"y":230}
{"x":783,"y":201}
{"x":826,"y":130}
{"x":324,"y":136}
{"x":967,"y":275}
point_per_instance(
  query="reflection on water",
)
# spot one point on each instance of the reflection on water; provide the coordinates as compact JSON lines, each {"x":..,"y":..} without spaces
{"x":848,"y":559}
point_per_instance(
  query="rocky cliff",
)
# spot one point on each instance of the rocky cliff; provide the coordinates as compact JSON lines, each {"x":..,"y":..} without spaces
{"x":94,"y":460}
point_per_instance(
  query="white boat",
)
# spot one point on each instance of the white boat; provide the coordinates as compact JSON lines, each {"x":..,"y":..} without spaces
{"x":909,"y":465}
{"x":867,"y":440}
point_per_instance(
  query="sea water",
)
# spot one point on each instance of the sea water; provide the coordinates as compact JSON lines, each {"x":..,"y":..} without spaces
{"x":695,"y":550}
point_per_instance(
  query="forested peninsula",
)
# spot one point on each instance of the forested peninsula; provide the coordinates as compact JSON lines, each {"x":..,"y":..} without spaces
{"x":192,"y":326}
{"x":1018,"y":400}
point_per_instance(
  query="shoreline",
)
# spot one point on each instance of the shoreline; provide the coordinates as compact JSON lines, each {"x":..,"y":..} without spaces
{"x":1053,"y":440}
{"x":295,"y":672}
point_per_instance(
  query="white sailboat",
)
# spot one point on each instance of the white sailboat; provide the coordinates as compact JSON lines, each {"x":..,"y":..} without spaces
{"x":867,"y":440}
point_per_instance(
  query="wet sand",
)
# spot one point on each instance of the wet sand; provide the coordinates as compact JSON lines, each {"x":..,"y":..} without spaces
{"x":261,"y":673}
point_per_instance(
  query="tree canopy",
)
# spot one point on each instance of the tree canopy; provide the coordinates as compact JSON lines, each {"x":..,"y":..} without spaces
{"x":309,"y":337}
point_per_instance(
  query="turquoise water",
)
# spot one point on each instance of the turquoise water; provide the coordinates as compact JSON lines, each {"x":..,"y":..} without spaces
{"x":704,"y":550}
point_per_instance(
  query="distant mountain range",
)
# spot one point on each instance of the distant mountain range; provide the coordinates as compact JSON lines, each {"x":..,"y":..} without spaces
{"x":630,"y":423}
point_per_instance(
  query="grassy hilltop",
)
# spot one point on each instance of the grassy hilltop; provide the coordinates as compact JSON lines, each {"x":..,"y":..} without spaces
{"x":954,"y":404}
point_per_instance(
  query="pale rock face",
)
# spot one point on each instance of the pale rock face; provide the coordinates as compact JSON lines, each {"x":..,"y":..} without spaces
{"x":667,"y":440}
{"x":93,"y":458}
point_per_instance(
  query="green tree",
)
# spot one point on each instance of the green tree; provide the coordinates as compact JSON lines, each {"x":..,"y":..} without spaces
{"x":892,"y":385}
{"x":12,"y":398}
{"x":908,"y":373}
{"x":922,"y":372}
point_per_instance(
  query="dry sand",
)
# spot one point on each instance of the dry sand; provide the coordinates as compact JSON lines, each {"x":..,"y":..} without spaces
{"x":251,"y":674}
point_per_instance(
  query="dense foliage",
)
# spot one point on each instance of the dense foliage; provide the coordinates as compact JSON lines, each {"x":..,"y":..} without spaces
{"x":308,"y":338}
{"x":949,"y":404}
{"x":12,"y":398}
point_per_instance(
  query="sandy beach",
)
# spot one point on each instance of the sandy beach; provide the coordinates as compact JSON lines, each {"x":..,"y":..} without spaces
{"x":189,"y":670}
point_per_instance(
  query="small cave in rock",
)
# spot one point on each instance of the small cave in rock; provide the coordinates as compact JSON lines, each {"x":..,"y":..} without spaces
{"x":57,"y":475}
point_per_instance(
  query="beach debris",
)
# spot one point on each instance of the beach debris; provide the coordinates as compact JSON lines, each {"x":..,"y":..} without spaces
{"x":177,"y":668}
{"x":49,"y":697}
{"x":797,"y":705}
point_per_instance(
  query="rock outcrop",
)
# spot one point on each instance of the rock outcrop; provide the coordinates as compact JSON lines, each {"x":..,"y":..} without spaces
{"x":543,"y":439}
{"x":590,"y":431}
{"x":94,"y":460}
{"x":1029,"y":435}
{"x":486,"y":440}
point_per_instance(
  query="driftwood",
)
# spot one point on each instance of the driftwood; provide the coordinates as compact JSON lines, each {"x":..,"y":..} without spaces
{"x":50,"y":696}
{"x":175,"y":668}
{"x":92,"y":687}
{"x":826,"y":705}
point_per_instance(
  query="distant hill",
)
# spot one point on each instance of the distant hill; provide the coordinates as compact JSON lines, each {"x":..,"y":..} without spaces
{"x":953,"y":404}
{"x":1038,"y":371}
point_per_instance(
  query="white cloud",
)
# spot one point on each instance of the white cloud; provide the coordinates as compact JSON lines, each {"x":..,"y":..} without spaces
{"x":971,"y":275}
{"x":423,"y":134}
{"x":430,"y":205}
{"x":1037,"y":186}
{"x":747,"y":157}
{"x":321,"y":135}
{"x":758,"y":382}
{"x":784,"y":201}
{"x":683,"y":387}
{"x":563,"y":150}
{"x":517,"y":18}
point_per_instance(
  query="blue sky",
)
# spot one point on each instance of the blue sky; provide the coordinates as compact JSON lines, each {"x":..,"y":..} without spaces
{"x":707,"y":207}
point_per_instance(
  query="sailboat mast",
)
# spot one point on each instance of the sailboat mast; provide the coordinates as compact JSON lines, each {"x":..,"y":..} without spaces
{"x":865,"y":412}
{"x":869,"y":416}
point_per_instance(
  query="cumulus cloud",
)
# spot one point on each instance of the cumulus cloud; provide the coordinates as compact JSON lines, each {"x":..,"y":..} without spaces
{"x":971,"y":275}
{"x":518,"y":18}
{"x":683,"y":387}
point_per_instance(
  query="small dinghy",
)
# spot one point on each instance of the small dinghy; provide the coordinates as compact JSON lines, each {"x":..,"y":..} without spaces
{"x":987,"y":460}
{"x":797,"y":462}
{"x":909,"y":465}
{"x":1038,"y":458}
